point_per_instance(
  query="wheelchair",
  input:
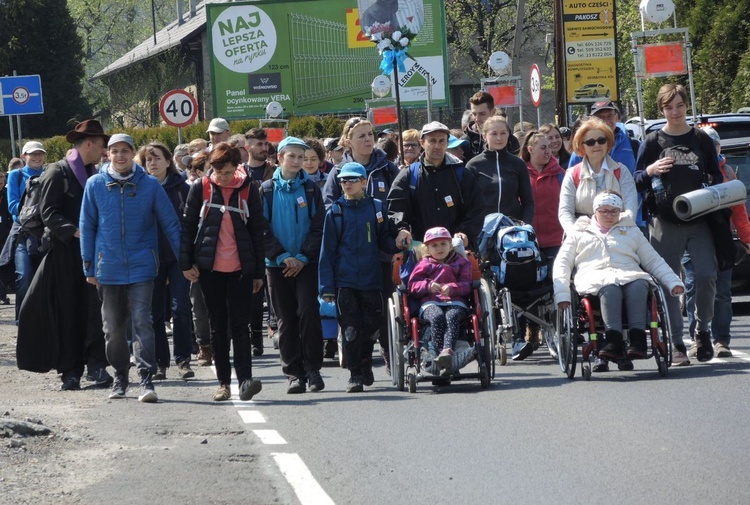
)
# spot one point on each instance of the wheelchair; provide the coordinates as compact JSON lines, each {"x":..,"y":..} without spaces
{"x":408,"y":339}
{"x":581,"y":324}
{"x":535,"y":304}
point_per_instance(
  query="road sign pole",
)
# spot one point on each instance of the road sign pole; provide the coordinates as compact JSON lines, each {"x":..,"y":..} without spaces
{"x":538,"y":118}
{"x":12,"y":136}
{"x":179,"y":135}
{"x":20,"y":136}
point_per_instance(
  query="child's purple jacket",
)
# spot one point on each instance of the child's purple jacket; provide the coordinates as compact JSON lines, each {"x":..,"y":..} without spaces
{"x":456,"y":273}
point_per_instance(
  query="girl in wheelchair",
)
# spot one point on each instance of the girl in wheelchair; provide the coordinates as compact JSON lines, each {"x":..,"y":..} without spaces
{"x":609,"y":254}
{"x":441,"y":283}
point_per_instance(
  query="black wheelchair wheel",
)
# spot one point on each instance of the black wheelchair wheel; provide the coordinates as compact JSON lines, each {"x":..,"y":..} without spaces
{"x":488,"y":327}
{"x":395,"y":335}
{"x":567,"y":348}
{"x":412,"y":379}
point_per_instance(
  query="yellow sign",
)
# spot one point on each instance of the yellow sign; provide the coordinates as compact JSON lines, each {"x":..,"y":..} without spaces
{"x":354,"y":35}
{"x":590,"y":42}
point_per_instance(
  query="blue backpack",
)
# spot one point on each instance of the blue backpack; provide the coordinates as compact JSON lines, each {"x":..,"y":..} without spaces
{"x":513,"y":252}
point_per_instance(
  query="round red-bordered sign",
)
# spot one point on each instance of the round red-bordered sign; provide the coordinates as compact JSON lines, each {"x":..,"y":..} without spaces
{"x":536,"y":86}
{"x":178,"y":108}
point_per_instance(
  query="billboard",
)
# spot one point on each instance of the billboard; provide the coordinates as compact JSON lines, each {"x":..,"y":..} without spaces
{"x":590,"y":50}
{"x":312,"y":57}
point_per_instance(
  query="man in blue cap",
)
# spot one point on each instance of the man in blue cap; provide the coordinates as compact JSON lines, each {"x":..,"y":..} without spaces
{"x":294,"y":211}
{"x":122,"y":205}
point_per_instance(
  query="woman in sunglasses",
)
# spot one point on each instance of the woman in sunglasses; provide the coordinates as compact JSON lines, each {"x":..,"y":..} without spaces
{"x":595,"y":173}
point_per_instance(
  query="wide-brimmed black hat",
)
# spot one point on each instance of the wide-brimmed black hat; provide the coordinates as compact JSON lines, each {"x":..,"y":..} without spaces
{"x":87,"y":128}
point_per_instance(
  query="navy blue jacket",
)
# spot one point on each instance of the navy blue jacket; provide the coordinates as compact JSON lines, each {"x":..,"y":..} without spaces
{"x":380,"y":176}
{"x":177,"y":191}
{"x":353,"y":238}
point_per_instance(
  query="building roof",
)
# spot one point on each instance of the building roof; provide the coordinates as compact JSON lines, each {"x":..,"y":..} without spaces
{"x":172,"y":35}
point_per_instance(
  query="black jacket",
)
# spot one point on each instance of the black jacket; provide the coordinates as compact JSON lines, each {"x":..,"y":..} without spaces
{"x":445,"y":196}
{"x":177,"y":191}
{"x":198,"y":246}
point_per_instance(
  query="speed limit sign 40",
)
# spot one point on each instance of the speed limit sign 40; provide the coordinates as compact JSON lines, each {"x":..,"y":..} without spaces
{"x":178,"y":108}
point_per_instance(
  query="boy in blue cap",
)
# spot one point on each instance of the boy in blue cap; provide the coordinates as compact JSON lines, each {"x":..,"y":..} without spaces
{"x":294,"y":212}
{"x":356,"y":230}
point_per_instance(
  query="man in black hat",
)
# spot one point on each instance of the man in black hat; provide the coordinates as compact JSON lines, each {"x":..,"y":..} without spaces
{"x":60,"y":324}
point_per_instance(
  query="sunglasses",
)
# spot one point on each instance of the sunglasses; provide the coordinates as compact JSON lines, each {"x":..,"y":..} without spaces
{"x":350,"y":180}
{"x":593,"y":142}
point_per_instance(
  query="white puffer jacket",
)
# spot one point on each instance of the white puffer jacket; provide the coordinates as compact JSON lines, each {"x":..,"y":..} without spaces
{"x":619,"y":257}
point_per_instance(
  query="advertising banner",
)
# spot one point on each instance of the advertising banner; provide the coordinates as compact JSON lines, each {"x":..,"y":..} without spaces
{"x":312,"y":57}
{"x":590,"y":50}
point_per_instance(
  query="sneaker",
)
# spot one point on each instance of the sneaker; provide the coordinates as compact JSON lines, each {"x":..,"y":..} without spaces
{"x":355,"y":385}
{"x":222,"y":394}
{"x":705,"y":351}
{"x":445,"y":359}
{"x":296,"y":386}
{"x":185,"y":371}
{"x":600,"y":365}
{"x":679,"y":355}
{"x":100,"y":376}
{"x":168,"y":327}
{"x":722,"y":351}
{"x":205,"y":356}
{"x":147,"y":394}
{"x":521,"y":351}
{"x":693,"y":351}
{"x":70,"y":382}
{"x":249,"y":388}
{"x":119,"y":387}
{"x":6,"y":301}
{"x":161,"y":373}
{"x":315,"y":381}
{"x":368,"y":379}
{"x":257,"y":342}
{"x":532,"y":336}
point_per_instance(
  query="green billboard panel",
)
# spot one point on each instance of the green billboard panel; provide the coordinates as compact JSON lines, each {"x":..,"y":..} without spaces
{"x":312,"y":57}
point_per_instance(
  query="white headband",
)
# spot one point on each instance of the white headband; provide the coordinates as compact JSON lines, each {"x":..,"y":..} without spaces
{"x":603,"y":199}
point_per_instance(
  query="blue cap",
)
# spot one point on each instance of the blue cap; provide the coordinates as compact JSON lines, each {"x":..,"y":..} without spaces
{"x":291,"y":142}
{"x":454,"y":142}
{"x":352,"y":169}
{"x":121,"y":137}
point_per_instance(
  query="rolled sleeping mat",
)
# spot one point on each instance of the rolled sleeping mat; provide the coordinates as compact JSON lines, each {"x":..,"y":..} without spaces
{"x":703,"y":201}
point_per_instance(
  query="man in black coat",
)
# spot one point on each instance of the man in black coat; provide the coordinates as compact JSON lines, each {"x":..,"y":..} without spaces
{"x":60,"y":323}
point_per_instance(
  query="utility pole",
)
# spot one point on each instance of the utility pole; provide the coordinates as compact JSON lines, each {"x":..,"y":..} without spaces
{"x":561,"y":93}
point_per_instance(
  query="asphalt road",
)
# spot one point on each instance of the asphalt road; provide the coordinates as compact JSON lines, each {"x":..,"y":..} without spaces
{"x":533,"y":437}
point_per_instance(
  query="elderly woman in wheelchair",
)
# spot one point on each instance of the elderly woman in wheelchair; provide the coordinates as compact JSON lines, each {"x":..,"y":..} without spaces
{"x":609,"y":257}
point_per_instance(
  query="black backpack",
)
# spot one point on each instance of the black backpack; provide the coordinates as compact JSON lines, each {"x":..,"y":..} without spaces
{"x":30,"y":210}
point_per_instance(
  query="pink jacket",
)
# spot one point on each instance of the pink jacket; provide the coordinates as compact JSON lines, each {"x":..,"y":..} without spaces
{"x":456,"y":273}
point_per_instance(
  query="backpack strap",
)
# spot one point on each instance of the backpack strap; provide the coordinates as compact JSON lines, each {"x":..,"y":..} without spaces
{"x":337,"y":213}
{"x":576,"y":174}
{"x":267,"y":191}
{"x":208,"y":194}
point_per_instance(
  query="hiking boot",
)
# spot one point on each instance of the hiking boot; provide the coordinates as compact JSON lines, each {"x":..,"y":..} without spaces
{"x":722,"y":350}
{"x":613,"y":349}
{"x":100,"y":377}
{"x":161,"y":373}
{"x":445,"y":359}
{"x":222,"y":394}
{"x":532,"y":336}
{"x":119,"y":386}
{"x":249,"y":388}
{"x":355,"y":385}
{"x":70,"y":382}
{"x":315,"y":381}
{"x":147,"y":394}
{"x":705,"y":349}
{"x":679,"y":355}
{"x":521,"y":351}
{"x":625,"y":365}
{"x":184,"y":370}
{"x":368,"y":378}
{"x":638,"y":348}
{"x":600,"y":365}
{"x":205,"y":356}
{"x":296,"y":386}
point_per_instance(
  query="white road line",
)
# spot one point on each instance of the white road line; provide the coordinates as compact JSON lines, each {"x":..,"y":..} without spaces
{"x":251,"y":416}
{"x":298,"y":475}
{"x":270,"y":437}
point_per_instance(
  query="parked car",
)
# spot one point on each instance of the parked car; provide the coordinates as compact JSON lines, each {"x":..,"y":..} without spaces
{"x":734,"y":129}
{"x":593,"y":90}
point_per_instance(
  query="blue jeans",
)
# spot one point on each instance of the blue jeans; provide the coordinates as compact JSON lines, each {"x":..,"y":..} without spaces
{"x":179,"y":292}
{"x":118,"y":303}
{"x":722,"y":303}
{"x":26,"y":265}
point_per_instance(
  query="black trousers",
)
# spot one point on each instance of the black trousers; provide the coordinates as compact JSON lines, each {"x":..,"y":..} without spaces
{"x":295,"y":302}
{"x":228,"y":297}
{"x":360,"y":316}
